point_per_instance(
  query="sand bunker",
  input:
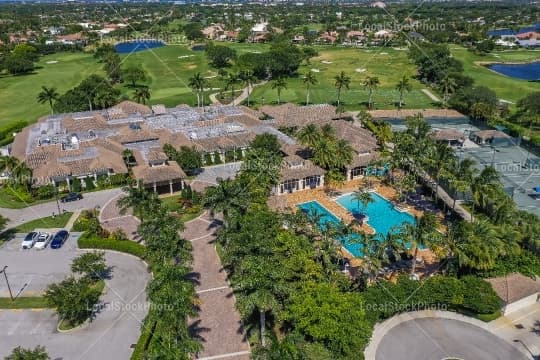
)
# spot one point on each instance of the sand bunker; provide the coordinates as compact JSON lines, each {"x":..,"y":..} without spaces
{"x":384,"y":53}
{"x":360,"y":70}
{"x":51,"y":62}
{"x":326,"y":62}
{"x":185,"y":56}
{"x":315,"y":70}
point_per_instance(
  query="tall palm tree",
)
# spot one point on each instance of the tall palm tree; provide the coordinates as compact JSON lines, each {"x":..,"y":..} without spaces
{"x":362,"y":196}
{"x":196,"y":83}
{"x":343,"y":153}
{"x":341,"y":81}
{"x":248,"y":78}
{"x":422,"y":233}
{"x":143,"y":202}
{"x":328,"y":132}
{"x":141,"y":94}
{"x":402,"y":86}
{"x":279,"y":84}
{"x":227,"y":197}
{"x":232,"y":79}
{"x":309,"y":135}
{"x":48,"y":95}
{"x":371,"y":83}
{"x":309,"y":79}
{"x":447,"y":85}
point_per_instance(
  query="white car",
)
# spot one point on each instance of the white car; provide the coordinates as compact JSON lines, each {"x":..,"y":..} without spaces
{"x":29,"y":240}
{"x":43,"y":240}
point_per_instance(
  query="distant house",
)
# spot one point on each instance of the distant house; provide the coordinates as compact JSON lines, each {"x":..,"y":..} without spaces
{"x":298,"y":39}
{"x":415,"y":36}
{"x":71,"y":39}
{"x":328,"y":37}
{"x":452,"y":137}
{"x":378,"y":4}
{"x":486,"y":137}
{"x":529,"y":35}
{"x":516,"y":291}
{"x":213,"y":31}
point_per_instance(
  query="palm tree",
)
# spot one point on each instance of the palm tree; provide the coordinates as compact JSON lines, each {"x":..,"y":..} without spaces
{"x":232,"y":79}
{"x":371,"y":83}
{"x":309,"y":79}
{"x":196,"y":83}
{"x":422,"y":233}
{"x":143,"y":202}
{"x":402,"y":86}
{"x":141,"y":94}
{"x":248,"y":78}
{"x":328,"y":132}
{"x":341,"y":81}
{"x":227,"y":197}
{"x":48,"y":95}
{"x":279,"y":84}
{"x":447,"y":85}
{"x":343,"y":154}
{"x":309,"y":135}
{"x":362,"y":196}
{"x":127,"y":154}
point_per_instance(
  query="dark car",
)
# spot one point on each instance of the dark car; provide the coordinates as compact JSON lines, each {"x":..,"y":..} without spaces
{"x":59,"y":239}
{"x":71,"y":197}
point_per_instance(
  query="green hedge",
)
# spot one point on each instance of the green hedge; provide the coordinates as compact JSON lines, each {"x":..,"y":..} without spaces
{"x":468,"y":294}
{"x":89,"y":241}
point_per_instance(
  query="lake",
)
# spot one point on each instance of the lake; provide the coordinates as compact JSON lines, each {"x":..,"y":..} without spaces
{"x":137,"y":45}
{"x":530,"y":71}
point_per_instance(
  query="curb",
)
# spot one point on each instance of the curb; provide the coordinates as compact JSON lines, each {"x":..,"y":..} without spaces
{"x":381,"y":329}
{"x":79,"y":327}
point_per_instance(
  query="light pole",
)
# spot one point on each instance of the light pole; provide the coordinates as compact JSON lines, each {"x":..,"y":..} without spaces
{"x":7,"y":282}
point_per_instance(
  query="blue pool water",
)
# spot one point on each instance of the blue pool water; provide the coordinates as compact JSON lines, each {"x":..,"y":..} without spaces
{"x":137,"y":45}
{"x":381,"y":213}
{"x":529,"y":71}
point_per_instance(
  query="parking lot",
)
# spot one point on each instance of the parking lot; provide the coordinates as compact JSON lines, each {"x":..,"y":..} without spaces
{"x":111,"y":333}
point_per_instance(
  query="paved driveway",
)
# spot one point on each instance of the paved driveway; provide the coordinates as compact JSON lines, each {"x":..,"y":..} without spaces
{"x":90,"y":201}
{"x":437,"y":338}
{"x":109,"y":336}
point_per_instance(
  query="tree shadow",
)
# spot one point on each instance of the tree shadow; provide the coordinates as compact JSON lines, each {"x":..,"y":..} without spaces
{"x":196,"y":331}
{"x":7,"y":235}
{"x":194,"y":277}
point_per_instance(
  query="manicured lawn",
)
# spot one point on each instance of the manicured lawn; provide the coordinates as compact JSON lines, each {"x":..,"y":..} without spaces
{"x":172,"y":204}
{"x":18,"y":93}
{"x":46,"y":222}
{"x":10,"y":200}
{"x":170,"y":67}
{"x":36,"y":302}
{"x":387,"y":64}
{"x":505,"y":87}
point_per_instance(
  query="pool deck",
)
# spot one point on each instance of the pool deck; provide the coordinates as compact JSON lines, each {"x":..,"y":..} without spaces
{"x":289,"y":202}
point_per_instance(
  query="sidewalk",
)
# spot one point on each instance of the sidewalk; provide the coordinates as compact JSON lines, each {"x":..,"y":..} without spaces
{"x":218,"y":326}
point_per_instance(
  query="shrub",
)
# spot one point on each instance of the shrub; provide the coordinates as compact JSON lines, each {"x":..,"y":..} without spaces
{"x":89,"y":183}
{"x":239,"y":155}
{"x":479,"y":296}
{"x":208,"y":159}
{"x":90,"y":241}
{"x":45,"y":191}
{"x":76,"y":185}
{"x":229,"y":155}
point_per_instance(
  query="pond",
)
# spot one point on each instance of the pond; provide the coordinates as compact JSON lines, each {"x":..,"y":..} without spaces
{"x":137,"y":45}
{"x":530,"y":71}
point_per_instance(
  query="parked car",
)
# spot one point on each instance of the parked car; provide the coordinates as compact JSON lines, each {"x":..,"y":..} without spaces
{"x":43,"y":240}
{"x":71,"y":197}
{"x":59,"y":239}
{"x":29,"y":240}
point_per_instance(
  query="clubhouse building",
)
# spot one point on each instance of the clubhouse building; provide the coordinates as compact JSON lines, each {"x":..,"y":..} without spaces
{"x":91,"y":145}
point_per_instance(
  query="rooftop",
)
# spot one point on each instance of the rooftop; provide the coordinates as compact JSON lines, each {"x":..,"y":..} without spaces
{"x":514,"y":287}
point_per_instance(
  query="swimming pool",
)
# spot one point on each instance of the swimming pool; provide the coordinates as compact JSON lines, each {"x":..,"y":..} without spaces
{"x":381,"y":213}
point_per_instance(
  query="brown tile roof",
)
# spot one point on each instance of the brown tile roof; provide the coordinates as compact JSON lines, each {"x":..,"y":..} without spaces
{"x":514,"y":287}
{"x":291,"y":115}
{"x":363,"y":159}
{"x":175,"y":139}
{"x":298,"y":172}
{"x":127,"y":135}
{"x":225,"y":142}
{"x":18,"y":147}
{"x":490,"y":134}
{"x":157,"y":174}
{"x":426,"y":113}
{"x":448,"y":134}
{"x":96,"y":122}
{"x":130,"y":107}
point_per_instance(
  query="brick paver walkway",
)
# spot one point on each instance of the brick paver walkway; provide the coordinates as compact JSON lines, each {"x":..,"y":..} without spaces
{"x":113,"y":219}
{"x":218,"y":325}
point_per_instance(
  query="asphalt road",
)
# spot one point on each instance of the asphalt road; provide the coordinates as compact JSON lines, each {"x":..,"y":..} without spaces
{"x":436,"y":339}
{"x":90,"y":201}
{"x":113,"y":330}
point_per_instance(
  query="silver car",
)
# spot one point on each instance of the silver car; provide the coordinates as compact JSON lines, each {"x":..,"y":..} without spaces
{"x":42,"y":241}
{"x":29,"y":240}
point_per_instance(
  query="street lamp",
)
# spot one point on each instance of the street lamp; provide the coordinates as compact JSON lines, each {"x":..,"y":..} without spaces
{"x":7,"y":282}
